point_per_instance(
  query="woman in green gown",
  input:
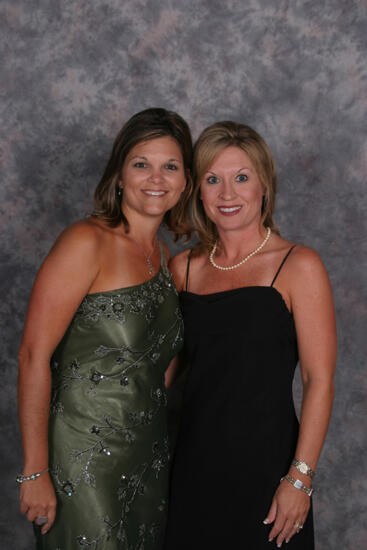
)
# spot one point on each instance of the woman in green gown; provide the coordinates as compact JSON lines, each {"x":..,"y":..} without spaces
{"x":102,"y":327}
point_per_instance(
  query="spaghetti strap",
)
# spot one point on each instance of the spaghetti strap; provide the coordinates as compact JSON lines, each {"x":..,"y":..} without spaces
{"x":281,"y":265}
{"x":163,"y":258}
{"x":187,"y":270}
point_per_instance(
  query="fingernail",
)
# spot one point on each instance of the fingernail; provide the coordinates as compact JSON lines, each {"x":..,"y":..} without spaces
{"x":266,"y":521}
{"x":270,"y":540}
{"x":279,"y":545}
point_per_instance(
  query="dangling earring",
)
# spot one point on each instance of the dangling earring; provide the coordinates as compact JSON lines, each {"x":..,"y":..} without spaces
{"x":119,"y":192}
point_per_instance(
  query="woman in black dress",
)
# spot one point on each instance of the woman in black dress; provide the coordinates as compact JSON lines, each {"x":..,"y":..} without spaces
{"x":253,"y":304}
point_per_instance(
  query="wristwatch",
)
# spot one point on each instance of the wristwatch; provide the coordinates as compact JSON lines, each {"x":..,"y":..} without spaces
{"x":297,"y":484}
{"x":303,"y":467}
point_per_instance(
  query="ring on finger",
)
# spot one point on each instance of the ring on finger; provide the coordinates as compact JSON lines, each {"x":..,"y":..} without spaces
{"x":298,"y":525}
{"x":41,"y":520}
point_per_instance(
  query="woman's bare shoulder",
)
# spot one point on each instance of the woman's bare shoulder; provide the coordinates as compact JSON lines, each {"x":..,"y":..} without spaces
{"x":301,"y":257}
{"x":305,"y":268}
{"x":304,"y":258}
{"x":84,"y":229}
{"x":83,"y":233}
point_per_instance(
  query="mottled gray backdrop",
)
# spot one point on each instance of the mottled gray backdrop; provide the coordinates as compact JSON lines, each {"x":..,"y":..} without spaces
{"x":74,"y":71}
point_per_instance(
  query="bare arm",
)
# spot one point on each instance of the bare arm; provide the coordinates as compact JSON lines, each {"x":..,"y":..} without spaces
{"x":314,"y":317}
{"x":171,"y":372}
{"x":63,"y":280}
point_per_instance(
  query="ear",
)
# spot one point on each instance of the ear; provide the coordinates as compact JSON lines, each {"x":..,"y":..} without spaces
{"x":187,"y":180}
{"x":119,"y":188}
{"x":184,"y":185}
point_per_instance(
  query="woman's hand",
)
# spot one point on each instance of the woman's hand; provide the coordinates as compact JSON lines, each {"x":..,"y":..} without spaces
{"x":288,"y":512}
{"x":38,"y":500}
{"x":64,"y":279}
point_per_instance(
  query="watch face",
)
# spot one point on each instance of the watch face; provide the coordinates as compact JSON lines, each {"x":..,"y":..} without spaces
{"x":298,"y":484}
{"x":303,"y":468}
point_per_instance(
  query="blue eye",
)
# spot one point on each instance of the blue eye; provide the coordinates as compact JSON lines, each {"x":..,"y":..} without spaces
{"x":242,"y":178}
{"x":172,"y":167}
{"x":139,"y":164}
{"x":212,"y":179}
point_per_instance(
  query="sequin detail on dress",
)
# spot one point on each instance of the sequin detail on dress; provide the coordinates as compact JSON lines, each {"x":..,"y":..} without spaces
{"x":108,"y":439}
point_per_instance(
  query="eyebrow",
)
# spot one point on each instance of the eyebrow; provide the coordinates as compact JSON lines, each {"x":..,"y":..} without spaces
{"x":145,"y":158}
{"x":239,"y":170}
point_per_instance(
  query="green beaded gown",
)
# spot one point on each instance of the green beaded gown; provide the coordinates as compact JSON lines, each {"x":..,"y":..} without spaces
{"x":109,"y":455}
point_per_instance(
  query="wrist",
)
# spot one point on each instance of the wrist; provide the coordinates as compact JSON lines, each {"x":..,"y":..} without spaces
{"x":303,"y":467}
{"x":295,"y":473}
{"x":297,"y":484}
{"x":21,"y":478}
{"x":31,"y":470}
{"x":35,"y":464}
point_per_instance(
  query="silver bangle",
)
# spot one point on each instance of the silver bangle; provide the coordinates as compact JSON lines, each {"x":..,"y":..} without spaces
{"x":303,"y":467}
{"x":297,"y":484}
{"x":32,"y":477}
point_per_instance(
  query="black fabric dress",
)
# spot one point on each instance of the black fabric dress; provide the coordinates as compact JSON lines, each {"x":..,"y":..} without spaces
{"x":238,"y":428}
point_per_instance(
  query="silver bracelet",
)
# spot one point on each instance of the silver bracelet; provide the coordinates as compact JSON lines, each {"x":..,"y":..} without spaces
{"x":297,"y":484}
{"x":303,"y":467}
{"x":32,"y":477}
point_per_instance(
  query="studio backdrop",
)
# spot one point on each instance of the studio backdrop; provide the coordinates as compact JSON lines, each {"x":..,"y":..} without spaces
{"x":73,"y":71}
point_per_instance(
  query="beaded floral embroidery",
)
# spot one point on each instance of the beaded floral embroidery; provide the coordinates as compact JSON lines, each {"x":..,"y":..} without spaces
{"x":124,"y":368}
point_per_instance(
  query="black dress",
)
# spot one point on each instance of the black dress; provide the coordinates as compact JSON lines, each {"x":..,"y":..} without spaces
{"x":238,"y":428}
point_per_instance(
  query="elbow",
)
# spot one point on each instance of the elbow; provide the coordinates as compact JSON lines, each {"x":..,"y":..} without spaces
{"x":33,"y":368}
{"x":24,"y":356}
{"x":324,"y":387}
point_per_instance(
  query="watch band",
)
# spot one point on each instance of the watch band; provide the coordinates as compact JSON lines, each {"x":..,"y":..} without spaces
{"x":297,"y":484}
{"x":303,"y":467}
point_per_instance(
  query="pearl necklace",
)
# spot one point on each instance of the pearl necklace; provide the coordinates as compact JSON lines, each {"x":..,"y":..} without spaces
{"x":211,"y":256}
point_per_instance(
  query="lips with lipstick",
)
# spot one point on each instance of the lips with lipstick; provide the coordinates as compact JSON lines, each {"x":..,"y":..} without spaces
{"x":229,"y":210}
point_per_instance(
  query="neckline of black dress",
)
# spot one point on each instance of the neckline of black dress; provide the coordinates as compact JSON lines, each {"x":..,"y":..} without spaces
{"x":234,"y":290}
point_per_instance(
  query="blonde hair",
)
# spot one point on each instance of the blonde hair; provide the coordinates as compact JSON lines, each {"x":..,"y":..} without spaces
{"x":143,"y":126}
{"x":210,"y":143}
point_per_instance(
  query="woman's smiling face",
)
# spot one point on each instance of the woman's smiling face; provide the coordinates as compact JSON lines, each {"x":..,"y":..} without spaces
{"x":153,"y":177}
{"x":231,"y":190}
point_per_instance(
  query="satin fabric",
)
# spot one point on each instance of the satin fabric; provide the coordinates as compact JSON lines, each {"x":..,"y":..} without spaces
{"x":108,"y":440}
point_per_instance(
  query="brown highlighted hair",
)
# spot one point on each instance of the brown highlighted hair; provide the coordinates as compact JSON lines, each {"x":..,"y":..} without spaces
{"x":210,"y":143}
{"x":143,"y":126}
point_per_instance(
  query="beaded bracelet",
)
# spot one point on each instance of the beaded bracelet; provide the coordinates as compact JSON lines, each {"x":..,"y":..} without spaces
{"x":32,"y":477}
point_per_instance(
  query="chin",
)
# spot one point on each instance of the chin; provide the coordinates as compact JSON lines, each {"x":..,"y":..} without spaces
{"x":156,"y":211}
{"x":229,"y":223}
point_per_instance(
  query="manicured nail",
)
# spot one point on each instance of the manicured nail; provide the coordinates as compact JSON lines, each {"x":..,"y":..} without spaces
{"x":279,"y":545}
{"x":266,"y":521}
{"x":270,"y":540}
